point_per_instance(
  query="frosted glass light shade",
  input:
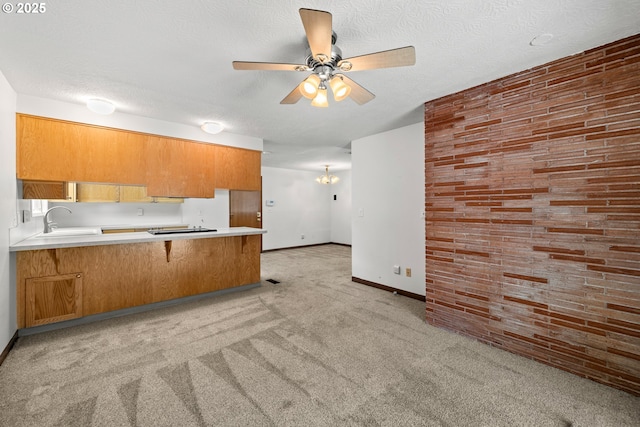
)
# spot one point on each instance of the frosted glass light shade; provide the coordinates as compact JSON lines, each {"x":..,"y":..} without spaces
{"x":100,"y":106}
{"x":339,"y":88}
{"x":309,"y":86}
{"x":212,"y":127}
{"x":321,"y":98}
{"x":326,"y":178}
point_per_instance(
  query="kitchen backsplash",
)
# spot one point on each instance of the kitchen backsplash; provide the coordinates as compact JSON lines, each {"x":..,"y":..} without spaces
{"x":210,"y":213}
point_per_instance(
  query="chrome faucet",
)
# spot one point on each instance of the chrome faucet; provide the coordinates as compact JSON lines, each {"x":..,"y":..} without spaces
{"x":48,"y":225}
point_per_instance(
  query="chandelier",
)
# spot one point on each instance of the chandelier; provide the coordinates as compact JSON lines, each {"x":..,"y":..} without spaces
{"x":326,"y":178}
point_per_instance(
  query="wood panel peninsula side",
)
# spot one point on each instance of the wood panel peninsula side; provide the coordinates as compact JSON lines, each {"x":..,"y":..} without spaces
{"x":73,"y":280}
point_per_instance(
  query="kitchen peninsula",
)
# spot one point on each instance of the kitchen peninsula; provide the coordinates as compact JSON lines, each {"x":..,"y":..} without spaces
{"x":80,"y":278}
{"x":64,"y":278}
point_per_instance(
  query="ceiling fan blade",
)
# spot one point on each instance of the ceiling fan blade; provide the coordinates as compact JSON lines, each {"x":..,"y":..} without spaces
{"x":317,"y":26}
{"x":400,"y":57}
{"x":269,"y":66}
{"x":293,"y":97}
{"x":358,"y":93}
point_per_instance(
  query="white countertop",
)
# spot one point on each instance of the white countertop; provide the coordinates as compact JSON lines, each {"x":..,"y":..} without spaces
{"x":36,"y":243}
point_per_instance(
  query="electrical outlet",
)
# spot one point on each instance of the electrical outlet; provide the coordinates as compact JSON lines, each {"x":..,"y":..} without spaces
{"x":140,"y":211}
{"x":396,"y":269}
{"x":302,"y":236}
{"x":407,"y":272}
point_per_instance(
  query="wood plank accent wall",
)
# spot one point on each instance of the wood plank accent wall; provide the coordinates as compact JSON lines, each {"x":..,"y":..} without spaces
{"x":533,"y":213}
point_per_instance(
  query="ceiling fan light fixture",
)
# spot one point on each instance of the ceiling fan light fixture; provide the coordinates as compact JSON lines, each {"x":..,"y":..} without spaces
{"x":321,"y":98}
{"x":339,"y":88}
{"x":309,"y":86}
{"x":100,"y":106}
{"x":324,"y":59}
{"x":212,"y":127}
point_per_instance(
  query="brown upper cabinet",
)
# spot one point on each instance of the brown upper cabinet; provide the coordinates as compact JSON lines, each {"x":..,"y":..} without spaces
{"x":97,"y":192}
{"x":238,"y":168}
{"x":118,"y":193}
{"x":56,"y":150}
{"x":56,"y":190}
{"x":180,"y":168}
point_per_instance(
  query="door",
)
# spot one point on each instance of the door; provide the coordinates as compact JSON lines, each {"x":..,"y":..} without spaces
{"x":245,"y":209}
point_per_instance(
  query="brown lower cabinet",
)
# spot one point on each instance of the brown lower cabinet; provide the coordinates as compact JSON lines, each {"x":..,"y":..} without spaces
{"x":53,"y":298}
{"x":66,"y":283}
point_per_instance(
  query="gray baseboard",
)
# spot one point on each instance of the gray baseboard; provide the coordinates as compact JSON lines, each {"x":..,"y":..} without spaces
{"x":8,"y":348}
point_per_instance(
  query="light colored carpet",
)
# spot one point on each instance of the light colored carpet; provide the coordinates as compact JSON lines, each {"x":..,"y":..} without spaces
{"x":316,"y":349}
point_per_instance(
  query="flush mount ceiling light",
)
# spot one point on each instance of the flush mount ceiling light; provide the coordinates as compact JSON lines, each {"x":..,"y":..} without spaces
{"x":212,"y":127}
{"x":100,"y":106}
{"x":541,"y":40}
{"x":324,"y":60}
{"x":326,"y":178}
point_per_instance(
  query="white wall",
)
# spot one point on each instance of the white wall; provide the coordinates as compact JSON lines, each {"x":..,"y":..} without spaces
{"x":388,"y":226}
{"x":341,"y":208}
{"x":301,"y":207}
{"x":114,"y":214}
{"x":210,"y":213}
{"x":8,"y":219}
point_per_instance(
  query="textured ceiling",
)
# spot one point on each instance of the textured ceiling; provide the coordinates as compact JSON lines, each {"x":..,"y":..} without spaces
{"x":171,"y":60}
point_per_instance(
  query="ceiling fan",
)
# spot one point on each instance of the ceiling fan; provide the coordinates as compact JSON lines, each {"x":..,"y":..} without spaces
{"x":324,"y":60}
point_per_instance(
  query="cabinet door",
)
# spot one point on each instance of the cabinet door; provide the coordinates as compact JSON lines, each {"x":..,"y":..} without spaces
{"x":49,"y":190}
{"x":134,"y":194}
{"x":165,"y":174}
{"x":168,"y":200}
{"x":53,"y":299}
{"x":200,"y":159}
{"x":56,"y":150}
{"x":110,"y":155}
{"x":97,"y":192}
{"x":179,"y":168}
{"x":237,"y":168}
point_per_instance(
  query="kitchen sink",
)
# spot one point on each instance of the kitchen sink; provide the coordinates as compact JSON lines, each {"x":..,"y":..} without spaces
{"x":71,"y":231}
